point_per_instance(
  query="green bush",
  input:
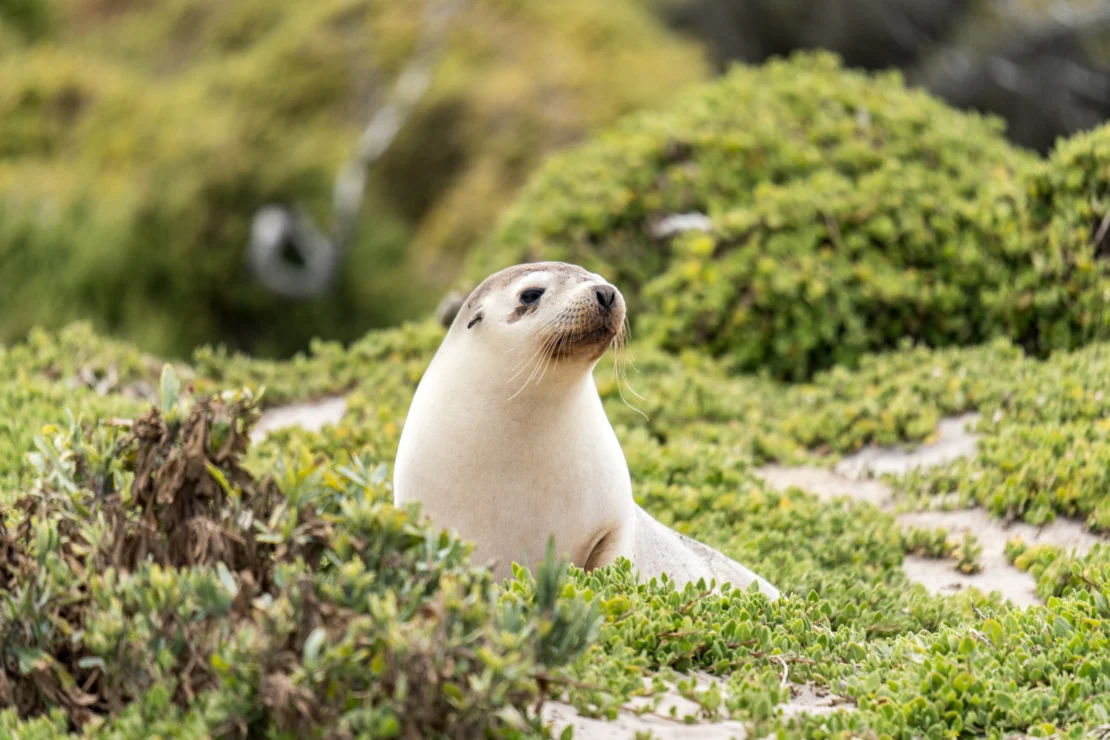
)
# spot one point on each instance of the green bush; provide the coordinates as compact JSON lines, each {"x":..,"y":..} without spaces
{"x":1058,"y":296}
{"x":150,"y":583}
{"x":847,"y":214}
{"x":138,"y":139}
{"x":1060,"y":573}
{"x":24,"y":20}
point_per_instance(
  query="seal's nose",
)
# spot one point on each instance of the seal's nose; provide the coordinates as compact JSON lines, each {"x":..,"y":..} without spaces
{"x":606,"y":294}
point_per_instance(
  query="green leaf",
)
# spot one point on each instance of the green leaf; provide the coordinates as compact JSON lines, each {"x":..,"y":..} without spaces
{"x":313,"y":645}
{"x":227,"y":579}
{"x":91,"y":662}
{"x":962,"y":682}
{"x":170,"y":388}
{"x":389,"y":727}
{"x":993,"y":631}
{"x":872,"y":683}
{"x":219,"y":477}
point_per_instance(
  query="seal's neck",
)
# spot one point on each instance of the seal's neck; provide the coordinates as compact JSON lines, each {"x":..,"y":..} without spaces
{"x":514,"y":381}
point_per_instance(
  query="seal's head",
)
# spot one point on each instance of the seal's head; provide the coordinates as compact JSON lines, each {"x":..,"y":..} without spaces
{"x":554,"y":315}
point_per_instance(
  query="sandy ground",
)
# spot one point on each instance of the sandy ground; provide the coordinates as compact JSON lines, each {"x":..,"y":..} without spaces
{"x":851,"y":478}
{"x":669,"y":720}
{"x":678,"y":718}
{"x":311,"y":416}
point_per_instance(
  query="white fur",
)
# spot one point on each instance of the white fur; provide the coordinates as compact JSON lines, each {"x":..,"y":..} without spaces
{"x":506,"y":462}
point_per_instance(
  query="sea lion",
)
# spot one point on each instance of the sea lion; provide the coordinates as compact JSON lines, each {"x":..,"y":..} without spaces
{"x":506,"y":442}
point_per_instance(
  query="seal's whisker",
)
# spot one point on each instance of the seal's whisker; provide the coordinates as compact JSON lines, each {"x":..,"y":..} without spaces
{"x":544,"y":361}
{"x":549,"y":324}
{"x":625,"y":400}
{"x":526,"y":365}
{"x":622,"y":361}
{"x":521,"y":364}
{"x":626,"y":335}
{"x":524,"y":343}
{"x":522,"y":387}
{"x":531,"y":375}
{"x":624,"y":375}
{"x":547,"y":362}
{"x":625,"y":358}
{"x":633,"y":390}
{"x":550,"y":359}
{"x":557,"y":345}
{"x":538,"y":353}
{"x":626,"y":403}
{"x":554,"y":350}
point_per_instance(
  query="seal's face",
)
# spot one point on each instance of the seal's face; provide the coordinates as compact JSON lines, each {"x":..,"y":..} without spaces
{"x":556,"y":312}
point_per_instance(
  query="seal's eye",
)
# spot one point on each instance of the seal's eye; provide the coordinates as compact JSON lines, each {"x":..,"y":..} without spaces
{"x":530,"y":296}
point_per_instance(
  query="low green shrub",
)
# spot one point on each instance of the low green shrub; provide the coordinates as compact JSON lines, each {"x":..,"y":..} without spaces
{"x":845,"y":214}
{"x":26,"y":20}
{"x":1039,"y":671}
{"x":1060,"y":573}
{"x":1059,"y":254}
{"x":927,"y":543}
{"x":967,"y":554}
{"x":1042,"y":422}
{"x":144,"y":230}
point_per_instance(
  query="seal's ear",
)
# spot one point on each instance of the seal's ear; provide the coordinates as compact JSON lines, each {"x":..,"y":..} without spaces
{"x":475,"y":320}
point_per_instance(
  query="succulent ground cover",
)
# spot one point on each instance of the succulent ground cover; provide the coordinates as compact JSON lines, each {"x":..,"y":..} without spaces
{"x":330,"y":603}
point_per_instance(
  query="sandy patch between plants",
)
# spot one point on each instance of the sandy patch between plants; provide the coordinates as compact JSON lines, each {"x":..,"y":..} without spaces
{"x":953,"y":441}
{"x":679,"y":718}
{"x":313,"y":416}
{"x":997,"y":575}
{"x":852,"y":478}
{"x":627,"y":724}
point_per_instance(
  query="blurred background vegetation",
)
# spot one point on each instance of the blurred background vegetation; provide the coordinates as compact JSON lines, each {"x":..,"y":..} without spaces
{"x":139,"y":138}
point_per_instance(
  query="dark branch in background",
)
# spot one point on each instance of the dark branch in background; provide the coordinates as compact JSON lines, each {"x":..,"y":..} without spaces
{"x":1027,"y":66}
{"x":1037,"y":75}
{"x":287,"y":252}
{"x":872,"y":34}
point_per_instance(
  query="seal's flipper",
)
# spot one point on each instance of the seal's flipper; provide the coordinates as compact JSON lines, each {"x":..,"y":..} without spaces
{"x":659,"y":549}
